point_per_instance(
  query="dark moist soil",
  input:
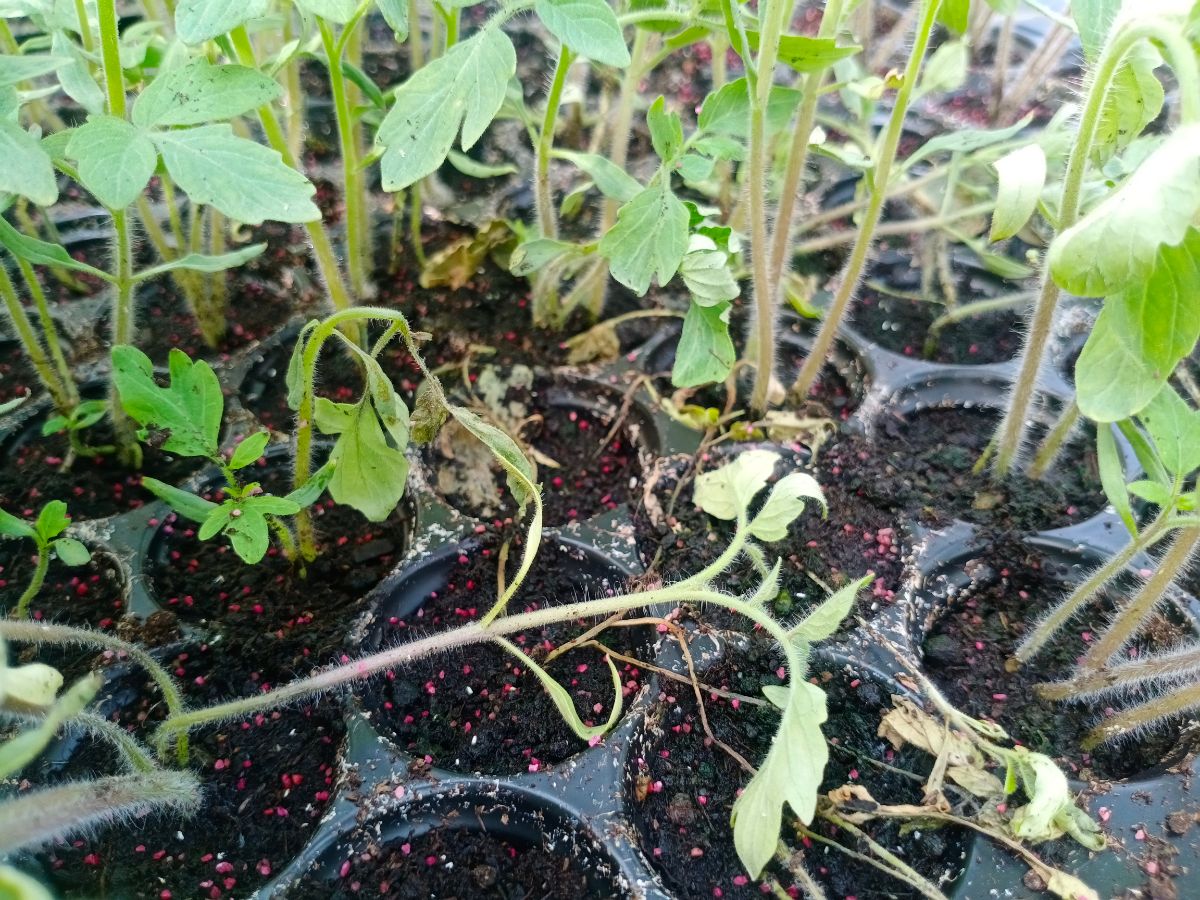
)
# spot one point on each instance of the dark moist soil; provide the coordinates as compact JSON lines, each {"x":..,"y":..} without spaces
{"x":266,"y":780}
{"x":902,"y":325}
{"x":481,"y":709}
{"x":854,"y":538}
{"x":288,"y":622}
{"x":95,"y":487}
{"x":456,"y":863}
{"x":17,"y":378}
{"x":592,"y":476}
{"x":922,"y":466}
{"x":967,"y":649}
{"x":681,"y":790}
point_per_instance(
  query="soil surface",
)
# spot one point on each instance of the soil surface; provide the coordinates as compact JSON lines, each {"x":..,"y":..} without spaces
{"x":481,"y":709}
{"x":456,"y":863}
{"x":681,"y":789}
{"x":266,"y":782}
{"x":967,"y":649}
{"x":288,"y":622}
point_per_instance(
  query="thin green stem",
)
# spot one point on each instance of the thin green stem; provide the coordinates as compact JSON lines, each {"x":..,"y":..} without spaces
{"x":49,"y":329}
{"x":1171,"y":704}
{"x":35,"y":583}
{"x":1055,"y":440}
{"x":547,"y":220}
{"x":1011,"y":432}
{"x":891,"y":229}
{"x":128,"y":449}
{"x":85,"y":27}
{"x":32,"y":345}
{"x":110,"y":54}
{"x":880,"y":177}
{"x":126,"y":745}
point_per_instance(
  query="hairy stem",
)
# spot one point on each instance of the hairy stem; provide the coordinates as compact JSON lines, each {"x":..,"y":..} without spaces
{"x":1174,"y":664}
{"x":811,"y":369}
{"x":35,"y":583}
{"x":1055,"y":441}
{"x":547,"y":220}
{"x":1143,"y":714}
{"x":1130,"y":617}
{"x":32,"y":345}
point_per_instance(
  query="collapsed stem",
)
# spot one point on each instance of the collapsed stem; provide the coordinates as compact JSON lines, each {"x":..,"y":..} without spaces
{"x":1143,"y":714}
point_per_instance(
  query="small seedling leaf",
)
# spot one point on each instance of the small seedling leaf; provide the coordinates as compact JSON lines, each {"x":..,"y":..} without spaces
{"x":968,"y":140}
{"x":728,"y":491}
{"x":666,"y":130}
{"x":1117,"y":243}
{"x":807,"y":54}
{"x":11,"y":526}
{"x":1151,"y":491}
{"x":1094,"y":18}
{"x":1022,"y":175}
{"x":20,"y":886}
{"x":825,"y":618}
{"x":309,"y":492}
{"x":203,"y":262}
{"x":197,"y":21}
{"x":588,"y":27}
{"x":476,"y":169}
{"x":649,"y":238}
{"x":41,"y":253}
{"x":946,"y":68}
{"x":201,"y":92}
{"x":250,"y":450}
{"x":726,"y":111}
{"x":27,"y":170}
{"x":1175,"y":429}
{"x":243,"y":179}
{"x":249,"y":535}
{"x":562,"y":699}
{"x":30,"y":688}
{"x":462,"y":89}
{"x":72,"y":552}
{"x":1112,"y":476}
{"x":52,"y":520}
{"x":705,"y":354}
{"x":705,"y":272}
{"x":610,"y":179}
{"x":395,"y":13}
{"x":183,"y":502}
{"x":188,"y":409}
{"x":536,"y":254}
{"x":784,"y":504}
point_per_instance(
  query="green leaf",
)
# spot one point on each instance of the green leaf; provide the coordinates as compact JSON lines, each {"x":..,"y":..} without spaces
{"x":295,"y":371}
{"x":12,"y":526}
{"x":462,"y":89}
{"x":41,"y":253}
{"x":368,"y":474}
{"x":395,"y":13}
{"x":538,"y":253}
{"x":72,"y":552}
{"x":1152,"y":492}
{"x":250,"y":450}
{"x":201,"y":92}
{"x":27,"y":170}
{"x":649,"y":238}
{"x":955,"y":15}
{"x":270,"y":505}
{"x":339,"y":11}
{"x":15,"y":69}
{"x":21,"y":750}
{"x":244,"y":180}
{"x":694,"y":168}
{"x":183,"y":502}
{"x":807,"y":54}
{"x":189,"y":409}
{"x":791,"y":774}
{"x":75,"y":77}
{"x":1141,"y":335}
{"x":705,"y":354}
{"x":1175,"y":429}
{"x":726,"y":111}
{"x":1112,"y":476}
{"x":249,"y":535}
{"x":197,"y":21}
{"x":784,"y":504}
{"x":705,"y":271}
{"x":1094,"y":18}
{"x":729,"y":490}
{"x":1143,"y":451}
{"x":1133,"y":101}
{"x":52,"y":520}
{"x":824,"y":619}
{"x":203,"y":262}
{"x":611,"y":180}
{"x":666,"y":130}
{"x":1117,"y":243}
{"x":309,"y":492}
{"x":16,"y":885}
{"x":216,"y":521}
{"x":115,"y":159}
{"x":562,"y":699}
{"x":588,"y":27}
{"x":967,"y":140}
{"x":946,"y":68}
{"x":476,"y":169}
{"x":1022,"y":175}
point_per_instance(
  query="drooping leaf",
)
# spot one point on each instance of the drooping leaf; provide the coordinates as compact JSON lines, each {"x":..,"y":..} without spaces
{"x":791,"y":774}
{"x":243,"y":179}
{"x":250,"y":450}
{"x":649,"y":238}
{"x":825,"y":618}
{"x":475,"y":169}
{"x":27,"y":170}
{"x":1133,"y":101}
{"x":30,"y":688}
{"x":1022,"y":175}
{"x":784,"y":504}
{"x":395,"y":13}
{"x":1117,"y":243}
{"x":588,"y":27}
{"x":611,"y":180}
{"x":461,"y":90}
{"x":666,"y":130}
{"x":42,"y":253}
{"x":115,"y":159}
{"x":1112,"y":477}
{"x":201,"y":92}
{"x":705,"y":271}
{"x":966,"y":140}
{"x":1175,"y":429}
{"x":188,"y":410}
{"x":72,"y":552}
{"x":1141,"y":335}
{"x":705,"y":354}
{"x":183,"y":502}
{"x":368,"y":474}
{"x":197,"y":21}
{"x":729,"y":490}
{"x":203,"y":262}
{"x":520,"y":473}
